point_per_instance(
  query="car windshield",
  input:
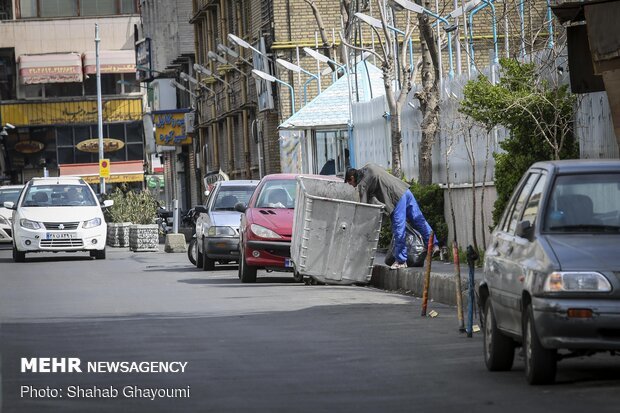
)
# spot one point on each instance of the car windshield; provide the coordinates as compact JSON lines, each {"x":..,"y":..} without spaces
{"x":278,"y":193}
{"x":229,"y":196}
{"x":58,"y":195}
{"x":584,"y":203}
{"x":9,"y":195}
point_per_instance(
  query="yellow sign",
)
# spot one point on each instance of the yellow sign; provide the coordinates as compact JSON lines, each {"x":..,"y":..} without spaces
{"x":83,"y":111}
{"x":92,"y":145}
{"x":114,"y":179}
{"x":170,"y":128}
{"x":104,"y":168}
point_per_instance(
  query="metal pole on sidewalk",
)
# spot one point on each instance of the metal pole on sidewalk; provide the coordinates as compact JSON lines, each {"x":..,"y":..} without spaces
{"x":459,"y":292}
{"x":99,"y":106}
{"x":427,"y":276}
{"x":472,"y":257}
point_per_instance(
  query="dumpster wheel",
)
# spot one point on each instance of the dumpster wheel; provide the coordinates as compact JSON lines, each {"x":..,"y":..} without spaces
{"x":298,"y":277}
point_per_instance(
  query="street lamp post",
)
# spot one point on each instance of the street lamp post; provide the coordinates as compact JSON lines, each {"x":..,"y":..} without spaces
{"x":269,"y":78}
{"x":298,"y":69}
{"x":416,"y":8}
{"x":376,"y":23}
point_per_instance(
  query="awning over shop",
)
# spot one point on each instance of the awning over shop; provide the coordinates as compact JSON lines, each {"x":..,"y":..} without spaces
{"x":111,"y":61}
{"x":125,"y":171}
{"x":50,"y":68}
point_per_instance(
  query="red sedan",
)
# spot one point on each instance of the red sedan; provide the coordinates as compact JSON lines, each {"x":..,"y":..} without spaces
{"x":266,"y":227}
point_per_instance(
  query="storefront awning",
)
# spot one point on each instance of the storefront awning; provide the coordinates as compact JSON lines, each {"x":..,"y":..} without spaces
{"x":125,"y":171}
{"x":50,"y":68}
{"x":111,"y":61}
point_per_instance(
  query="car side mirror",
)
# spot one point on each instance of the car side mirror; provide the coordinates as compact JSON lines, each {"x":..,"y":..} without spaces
{"x":524,"y":230}
{"x":200,"y":209}
{"x":9,"y":205}
{"x":240,"y":207}
{"x":108,"y":203}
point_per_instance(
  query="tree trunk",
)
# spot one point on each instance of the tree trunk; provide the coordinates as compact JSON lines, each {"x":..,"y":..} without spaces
{"x":397,"y":140}
{"x":429,"y":99}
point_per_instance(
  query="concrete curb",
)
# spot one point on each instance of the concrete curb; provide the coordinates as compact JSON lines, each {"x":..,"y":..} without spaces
{"x":411,"y":281}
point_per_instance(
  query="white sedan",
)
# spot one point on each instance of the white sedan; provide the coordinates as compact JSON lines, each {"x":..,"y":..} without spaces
{"x":58,"y":214}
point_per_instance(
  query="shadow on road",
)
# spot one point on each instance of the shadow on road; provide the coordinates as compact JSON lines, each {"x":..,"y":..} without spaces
{"x":266,"y":281}
{"x":60,"y":258}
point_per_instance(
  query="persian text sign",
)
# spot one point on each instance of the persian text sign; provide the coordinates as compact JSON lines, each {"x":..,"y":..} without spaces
{"x":70,"y":112}
{"x":170,"y":128}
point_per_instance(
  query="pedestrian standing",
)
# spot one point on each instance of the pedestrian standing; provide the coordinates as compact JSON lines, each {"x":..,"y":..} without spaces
{"x":374,"y":182}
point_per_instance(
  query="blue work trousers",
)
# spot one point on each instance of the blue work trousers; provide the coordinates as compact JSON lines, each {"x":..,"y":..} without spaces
{"x":407,"y":209}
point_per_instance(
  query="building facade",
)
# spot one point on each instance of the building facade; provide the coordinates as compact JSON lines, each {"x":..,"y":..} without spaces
{"x":165,"y":59}
{"x":48,"y":89}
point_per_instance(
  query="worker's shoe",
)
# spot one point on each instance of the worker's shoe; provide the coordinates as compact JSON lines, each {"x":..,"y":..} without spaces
{"x":436,"y":251}
{"x":398,"y":265}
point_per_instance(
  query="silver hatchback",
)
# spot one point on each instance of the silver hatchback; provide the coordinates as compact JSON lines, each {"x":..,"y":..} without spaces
{"x":217,"y":228}
{"x":552,"y":270}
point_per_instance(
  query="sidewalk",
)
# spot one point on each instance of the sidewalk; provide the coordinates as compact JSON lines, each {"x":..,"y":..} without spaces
{"x":442,"y":287}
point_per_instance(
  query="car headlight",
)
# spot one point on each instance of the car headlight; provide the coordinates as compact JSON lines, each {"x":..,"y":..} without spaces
{"x":26,"y":223}
{"x":91,"y":223}
{"x":576,"y":282}
{"x":263,"y":232}
{"x":4,"y":221}
{"x":221,"y":232}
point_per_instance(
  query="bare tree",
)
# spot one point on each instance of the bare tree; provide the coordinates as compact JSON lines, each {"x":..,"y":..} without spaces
{"x":428,"y":96}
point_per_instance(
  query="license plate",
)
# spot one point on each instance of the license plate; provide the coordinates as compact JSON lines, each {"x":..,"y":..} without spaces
{"x":288,"y":263}
{"x":61,"y":235}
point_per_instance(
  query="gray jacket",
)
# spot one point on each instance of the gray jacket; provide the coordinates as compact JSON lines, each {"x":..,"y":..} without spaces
{"x":375,"y":182}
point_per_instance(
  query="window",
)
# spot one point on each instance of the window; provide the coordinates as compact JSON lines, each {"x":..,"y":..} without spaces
{"x":587,"y":203}
{"x":74,"y":8}
{"x":531,"y":208}
{"x":330,"y":157}
{"x":97,"y":7}
{"x":68,"y":137}
{"x":518,"y":205}
{"x":228,"y":197}
{"x":278,"y":193}
{"x":57,"y":90}
{"x":58,"y":8}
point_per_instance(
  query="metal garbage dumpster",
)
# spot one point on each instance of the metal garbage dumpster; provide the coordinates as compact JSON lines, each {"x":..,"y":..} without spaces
{"x":334,"y":237}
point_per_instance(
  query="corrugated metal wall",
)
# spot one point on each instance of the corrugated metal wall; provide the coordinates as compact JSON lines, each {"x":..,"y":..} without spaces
{"x":595,"y":128}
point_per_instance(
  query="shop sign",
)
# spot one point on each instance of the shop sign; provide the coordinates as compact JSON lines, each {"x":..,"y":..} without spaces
{"x":29,"y":146}
{"x":92,"y":145}
{"x":71,"y":112}
{"x":114,"y":179}
{"x":170,"y":128}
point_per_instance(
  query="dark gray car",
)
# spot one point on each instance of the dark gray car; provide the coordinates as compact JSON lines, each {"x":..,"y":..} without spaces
{"x":552,"y":269}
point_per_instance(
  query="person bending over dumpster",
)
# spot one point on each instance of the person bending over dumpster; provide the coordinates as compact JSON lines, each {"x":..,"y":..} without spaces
{"x":372,"y":181}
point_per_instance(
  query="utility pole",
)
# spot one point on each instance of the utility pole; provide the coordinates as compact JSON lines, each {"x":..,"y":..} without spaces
{"x":99,"y":107}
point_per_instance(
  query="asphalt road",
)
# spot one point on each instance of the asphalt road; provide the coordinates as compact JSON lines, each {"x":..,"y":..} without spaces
{"x":275,"y":346}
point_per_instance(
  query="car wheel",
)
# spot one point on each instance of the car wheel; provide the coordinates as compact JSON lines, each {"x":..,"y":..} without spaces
{"x":247,"y":273}
{"x":540,"y":363}
{"x":98,"y":254}
{"x":18,"y":256}
{"x":207,"y":263}
{"x":499,"y":350}
{"x":199,"y":256}
{"x":192,"y":249}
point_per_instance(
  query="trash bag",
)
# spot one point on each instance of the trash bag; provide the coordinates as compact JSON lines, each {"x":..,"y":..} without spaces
{"x":416,"y":249}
